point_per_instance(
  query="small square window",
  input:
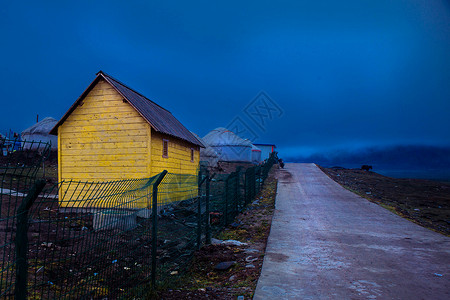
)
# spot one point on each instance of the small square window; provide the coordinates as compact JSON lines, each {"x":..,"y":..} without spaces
{"x":192,"y":155}
{"x":165,"y":152}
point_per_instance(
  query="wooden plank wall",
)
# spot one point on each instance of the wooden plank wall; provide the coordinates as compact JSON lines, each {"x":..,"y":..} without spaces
{"x":104,"y":139}
{"x":179,"y":158}
{"x":175,"y":187}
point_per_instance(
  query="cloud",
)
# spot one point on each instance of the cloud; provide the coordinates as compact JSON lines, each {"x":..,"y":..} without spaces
{"x":345,"y":73}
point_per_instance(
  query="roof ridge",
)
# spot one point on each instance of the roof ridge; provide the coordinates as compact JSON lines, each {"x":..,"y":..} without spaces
{"x":106,"y":76}
{"x":159,"y":118}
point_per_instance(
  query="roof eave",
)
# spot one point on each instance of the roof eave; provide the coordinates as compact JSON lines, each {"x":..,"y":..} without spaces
{"x":128,"y":101}
{"x":256,"y":144}
{"x":54,"y":130}
{"x":100,"y":74}
{"x":177,"y":137}
{"x":143,"y":115}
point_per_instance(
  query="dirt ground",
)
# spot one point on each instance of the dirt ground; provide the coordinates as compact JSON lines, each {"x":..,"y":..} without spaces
{"x":252,"y":226}
{"x":424,"y":202}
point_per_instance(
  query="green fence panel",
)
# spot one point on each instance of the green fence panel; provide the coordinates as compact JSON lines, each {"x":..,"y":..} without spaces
{"x":20,"y":163}
{"x":115,"y":239}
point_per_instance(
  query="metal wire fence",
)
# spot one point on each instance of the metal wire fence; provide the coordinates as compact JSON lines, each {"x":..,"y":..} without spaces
{"x":117,"y":239}
{"x":19,"y":165}
{"x":89,"y":239}
{"x":226,"y":195}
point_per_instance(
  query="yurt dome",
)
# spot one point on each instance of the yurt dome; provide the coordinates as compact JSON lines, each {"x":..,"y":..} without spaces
{"x":228,"y":145}
{"x":256,"y":154}
{"x":207,"y":154}
{"x":40,"y":132}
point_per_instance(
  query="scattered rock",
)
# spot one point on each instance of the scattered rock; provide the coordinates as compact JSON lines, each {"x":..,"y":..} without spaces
{"x":227,"y":242}
{"x":224,"y":265}
{"x":233,"y":243}
{"x":250,"y":259}
{"x":232,"y":278}
{"x":250,"y":266}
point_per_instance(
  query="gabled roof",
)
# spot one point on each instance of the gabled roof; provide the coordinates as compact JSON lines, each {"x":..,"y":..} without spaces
{"x":160,"y":119}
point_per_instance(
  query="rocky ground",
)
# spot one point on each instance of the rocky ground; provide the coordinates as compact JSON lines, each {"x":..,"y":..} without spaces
{"x":424,"y":202}
{"x":229,"y":270}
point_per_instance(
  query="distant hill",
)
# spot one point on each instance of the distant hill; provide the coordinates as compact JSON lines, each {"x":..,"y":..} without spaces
{"x":393,"y":157}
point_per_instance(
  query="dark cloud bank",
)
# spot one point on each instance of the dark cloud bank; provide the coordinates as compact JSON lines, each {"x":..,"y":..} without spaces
{"x":419,"y":161}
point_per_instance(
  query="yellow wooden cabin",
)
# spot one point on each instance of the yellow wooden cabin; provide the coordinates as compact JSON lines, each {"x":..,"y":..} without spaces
{"x":112,"y":132}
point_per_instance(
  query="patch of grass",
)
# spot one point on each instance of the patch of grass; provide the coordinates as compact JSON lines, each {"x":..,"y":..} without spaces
{"x":233,"y":234}
{"x":388,"y":207}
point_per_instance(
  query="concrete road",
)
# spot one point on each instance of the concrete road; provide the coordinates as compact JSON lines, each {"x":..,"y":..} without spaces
{"x":328,"y":243}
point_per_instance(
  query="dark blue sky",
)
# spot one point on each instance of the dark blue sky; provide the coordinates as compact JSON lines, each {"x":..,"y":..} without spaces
{"x":344,"y":73}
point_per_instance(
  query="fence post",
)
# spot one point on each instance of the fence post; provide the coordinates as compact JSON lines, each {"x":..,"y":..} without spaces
{"x":226,"y":199}
{"x":199,"y":210}
{"x":248,"y":179}
{"x":208,"y":216}
{"x":22,"y":239}
{"x":155,"y":223}
{"x":245,"y":189}
{"x":231,"y":196}
{"x":259,"y":179}
{"x":236,"y":191}
{"x":253,"y":183}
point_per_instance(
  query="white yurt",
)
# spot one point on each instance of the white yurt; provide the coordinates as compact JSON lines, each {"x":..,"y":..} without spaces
{"x":40,"y":132}
{"x":207,"y":154}
{"x":210,"y":155}
{"x":256,"y":154}
{"x":228,"y":145}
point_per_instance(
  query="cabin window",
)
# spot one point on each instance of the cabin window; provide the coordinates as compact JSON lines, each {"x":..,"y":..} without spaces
{"x":192,"y":155}
{"x":165,"y":152}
